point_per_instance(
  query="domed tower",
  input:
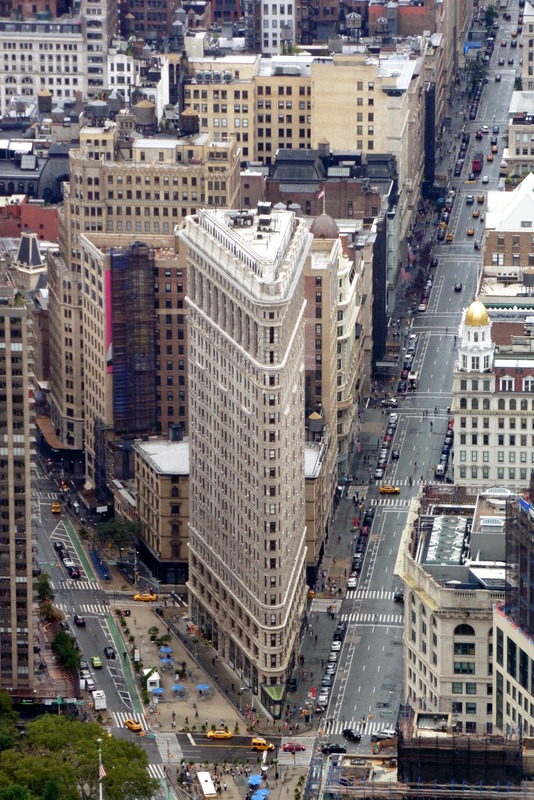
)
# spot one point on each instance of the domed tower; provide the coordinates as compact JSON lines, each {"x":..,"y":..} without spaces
{"x":324,"y":227}
{"x":476,"y":349}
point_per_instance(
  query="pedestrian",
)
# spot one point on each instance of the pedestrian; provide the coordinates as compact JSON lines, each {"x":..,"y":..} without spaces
{"x":187,"y":720}
{"x":196,"y":713}
{"x":124,"y":655}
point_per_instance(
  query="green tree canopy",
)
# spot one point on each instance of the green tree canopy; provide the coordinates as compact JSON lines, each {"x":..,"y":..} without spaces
{"x":8,"y":718}
{"x":119,"y":534}
{"x":490,"y":15}
{"x":64,"y":648}
{"x":59,"y":759}
{"x":44,"y":587}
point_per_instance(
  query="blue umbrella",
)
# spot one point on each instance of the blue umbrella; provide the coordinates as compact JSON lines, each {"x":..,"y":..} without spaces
{"x":203,"y":687}
{"x":263,"y":792}
{"x":165,"y":649}
{"x":260,"y":794}
{"x":178,"y":687}
{"x":166,"y":660}
{"x":254,"y":780}
{"x":157,"y":690}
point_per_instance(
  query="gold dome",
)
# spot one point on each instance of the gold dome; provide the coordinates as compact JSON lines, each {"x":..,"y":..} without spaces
{"x":476,"y":316}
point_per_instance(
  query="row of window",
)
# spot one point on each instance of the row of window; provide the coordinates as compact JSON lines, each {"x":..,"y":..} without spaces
{"x":511,"y":474}
{"x":500,"y":456}
{"x":486,"y":386}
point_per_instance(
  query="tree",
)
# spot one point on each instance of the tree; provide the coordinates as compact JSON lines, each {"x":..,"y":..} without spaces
{"x":15,"y":792}
{"x":118,"y":533}
{"x":71,"y":749}
{"x":64,"y":648}
{"x":8,"y":718}
{"x":44,"y":587}
{"x":47,"y":612}
{"x":476,"y":71}
{"x":490,"y":15}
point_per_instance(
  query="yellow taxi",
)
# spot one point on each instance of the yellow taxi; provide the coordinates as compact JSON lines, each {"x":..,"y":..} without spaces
{"x":388,"y":489}
{"x":480,"y":198}
{"x":449,"y":237}
{"x":146,"y":597}
{"x":476,"y":213}
{"x":220,"y":733}
{"x":56,"y":508}
{"x":494,"y":148}
{"x":470,"y":231}
{"x":132,"y":725}
{"x":490,"y":157}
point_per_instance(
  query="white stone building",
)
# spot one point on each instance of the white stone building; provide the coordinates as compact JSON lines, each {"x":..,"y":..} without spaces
{"x":493,"y":402}
{"x":36,"y":54}
{"x":246,"y":390}
{"x":451,"y":561}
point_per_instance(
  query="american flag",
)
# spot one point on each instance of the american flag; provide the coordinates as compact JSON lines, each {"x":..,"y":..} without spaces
{"x":405,"y":274}
{"x":321,"y":194}
{"x":101,"y":772}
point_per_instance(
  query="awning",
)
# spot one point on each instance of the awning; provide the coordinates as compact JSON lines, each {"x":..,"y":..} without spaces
{"x":48,"y":431}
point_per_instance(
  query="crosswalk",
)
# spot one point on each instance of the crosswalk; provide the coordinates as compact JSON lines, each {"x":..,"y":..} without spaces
{"x":45,"y":496}
{"x":169,"y":748}
{"x":373,"y":619}
{"x":120,"y":717}
{"x":88,"y":608}
{"x":370,"y":594}
{"x":301,"y":757}
{"x":390,"y":500}
{"x":337,"y":726}
{"x":72,"y":583}
{"x":156,"y":771}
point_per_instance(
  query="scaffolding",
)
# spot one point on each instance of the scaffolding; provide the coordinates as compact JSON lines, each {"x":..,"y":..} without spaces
{"x":520,"y":563}
{"x":133,"y":338}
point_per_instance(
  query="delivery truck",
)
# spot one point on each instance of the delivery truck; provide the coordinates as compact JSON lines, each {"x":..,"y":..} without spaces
{"x":99,"y":700}
{"x":478,"y":160}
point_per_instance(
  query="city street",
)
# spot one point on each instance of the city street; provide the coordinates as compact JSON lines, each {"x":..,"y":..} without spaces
{"x":368,"y":687}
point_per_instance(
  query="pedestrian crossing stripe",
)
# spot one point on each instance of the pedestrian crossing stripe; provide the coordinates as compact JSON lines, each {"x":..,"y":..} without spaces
{"x":95,"y":608}
{"x":371,"y":619}
{"x":78,"y":584}
{"x":371,"y":727}
{"x":383,"y":501}
{"x":370,"y":594}
{"x":156,"y":771}
{"x":120,"y":717}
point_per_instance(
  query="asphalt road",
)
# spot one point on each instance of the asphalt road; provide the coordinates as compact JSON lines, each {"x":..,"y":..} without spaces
{"x":369,"y":681}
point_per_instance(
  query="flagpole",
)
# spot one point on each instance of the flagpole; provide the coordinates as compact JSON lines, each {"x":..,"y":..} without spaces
{"x":99,"y":769}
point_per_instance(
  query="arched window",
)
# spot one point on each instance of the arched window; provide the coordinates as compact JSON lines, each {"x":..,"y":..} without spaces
{"x":474,"y":403}
{"x":464,"y":630}
{"x":500,"y":404}
{"x":463,"y":402}
{"x":422,"y":610}
{"x":485,"y":404}
{"x":513,"y":405}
